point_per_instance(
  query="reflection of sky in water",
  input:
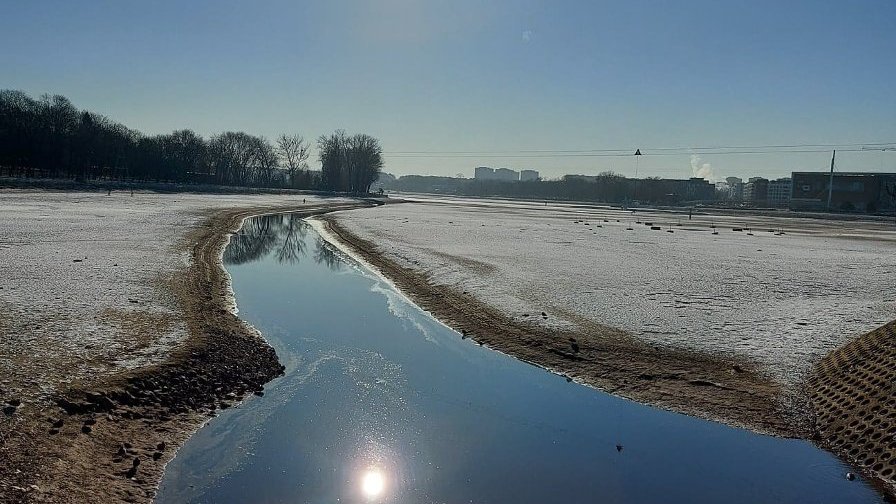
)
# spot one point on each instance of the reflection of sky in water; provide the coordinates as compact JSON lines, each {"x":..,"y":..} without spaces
{"x":371,"y":411}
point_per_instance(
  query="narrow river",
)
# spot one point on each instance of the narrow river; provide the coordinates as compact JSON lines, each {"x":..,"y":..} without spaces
{"x":382,"y":403}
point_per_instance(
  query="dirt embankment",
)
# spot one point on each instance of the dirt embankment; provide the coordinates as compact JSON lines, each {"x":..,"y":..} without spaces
{"x":108,"y":440}
{"x":853,"y":395}
{"x":718,"y":388}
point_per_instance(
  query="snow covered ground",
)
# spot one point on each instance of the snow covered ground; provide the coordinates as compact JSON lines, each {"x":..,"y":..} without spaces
{"x":783,"y":300}
{"x":82,"y":281}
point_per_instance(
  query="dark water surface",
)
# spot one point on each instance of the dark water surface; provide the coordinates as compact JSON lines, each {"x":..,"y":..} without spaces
{"x":381,"y":403}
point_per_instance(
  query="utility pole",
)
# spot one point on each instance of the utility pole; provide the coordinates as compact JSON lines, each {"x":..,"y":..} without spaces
{"x":831,"y":182}
{"x":637,"y":158}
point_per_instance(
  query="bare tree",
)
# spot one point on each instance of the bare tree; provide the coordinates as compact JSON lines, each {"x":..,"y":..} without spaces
{"x":293,"y":152}
{"x":349,"y":163}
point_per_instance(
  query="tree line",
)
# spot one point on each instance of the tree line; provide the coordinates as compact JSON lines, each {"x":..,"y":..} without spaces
{"x":49,"y":137}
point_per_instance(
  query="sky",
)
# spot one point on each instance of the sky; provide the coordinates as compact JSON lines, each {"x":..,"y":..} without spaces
{"x":448,"y":86}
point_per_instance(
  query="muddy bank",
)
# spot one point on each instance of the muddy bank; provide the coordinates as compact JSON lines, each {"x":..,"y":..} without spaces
{"x":719,"y":388}
{"x":108,"y":439}
{"x":853,"y":396}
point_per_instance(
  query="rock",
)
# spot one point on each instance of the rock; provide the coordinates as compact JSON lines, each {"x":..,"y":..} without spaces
{"x":136,"y":461}
{"x":86,"y":429}
{"x":9,"y":410}
{"x":619,"y":448}
{"x":161,"y":446}
{"x":122,"y":451}
{"x":75,"y":408}
{"x":259,"y":393}
{"x":90,"y":421}
{"x":14,"y":402}
{"x":131,"y":472}
{"x":58,"y":423}
{"x":53,"y":432}
{"x":104,"y":403}
{"x":157,"y":455}
{"x":850,"y":476}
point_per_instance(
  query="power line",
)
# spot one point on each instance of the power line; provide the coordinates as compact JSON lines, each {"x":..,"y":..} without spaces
{"x":645,"y":152}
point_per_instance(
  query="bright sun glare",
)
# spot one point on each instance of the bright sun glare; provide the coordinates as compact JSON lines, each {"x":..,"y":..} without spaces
{"x":373,"y":483}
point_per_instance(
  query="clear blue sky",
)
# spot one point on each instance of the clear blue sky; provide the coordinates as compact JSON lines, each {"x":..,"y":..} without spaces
{"x":483,"y":76}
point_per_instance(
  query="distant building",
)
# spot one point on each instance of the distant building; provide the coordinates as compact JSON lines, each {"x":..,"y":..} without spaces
{"x":699,"y":189}
{"x":484,"y":173}
{"x":756,"y":191}
{"x":527,"y":175}
{"x":779,"y":192}
{"x":735,"y":188}
{"x":507,"y":174}
{"x":852,"y":191}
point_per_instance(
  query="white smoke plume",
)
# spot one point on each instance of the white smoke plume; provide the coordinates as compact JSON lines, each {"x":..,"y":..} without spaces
{"x":701,"y":169}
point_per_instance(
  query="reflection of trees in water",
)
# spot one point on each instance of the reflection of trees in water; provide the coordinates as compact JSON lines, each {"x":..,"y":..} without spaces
{"x":281,"y":234}
{"x":326,"y":255}
{"x":293,"y":246}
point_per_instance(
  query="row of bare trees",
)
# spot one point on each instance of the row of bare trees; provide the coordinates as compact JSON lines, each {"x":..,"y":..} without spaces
{"x":349,"y":163}
{"x":49,"y":137}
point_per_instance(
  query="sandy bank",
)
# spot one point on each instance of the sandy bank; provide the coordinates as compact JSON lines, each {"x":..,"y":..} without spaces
{"x":84,"y":409}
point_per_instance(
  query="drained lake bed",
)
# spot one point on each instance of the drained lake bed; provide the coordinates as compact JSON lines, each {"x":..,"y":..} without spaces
{"x":780,"y":291}
{"x":382,"y":403}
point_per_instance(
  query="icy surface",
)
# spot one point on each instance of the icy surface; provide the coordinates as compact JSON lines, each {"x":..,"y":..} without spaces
{"x":783,"y":300}
{"x":82,"y":281}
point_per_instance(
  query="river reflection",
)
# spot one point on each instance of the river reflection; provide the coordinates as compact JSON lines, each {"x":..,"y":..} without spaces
{"x":373,"y":483}
{"x":382,"y":403}
{"x":281,"y":236}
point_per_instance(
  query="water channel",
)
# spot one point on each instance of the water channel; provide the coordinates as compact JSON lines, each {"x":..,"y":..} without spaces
{"x":382,"y":403}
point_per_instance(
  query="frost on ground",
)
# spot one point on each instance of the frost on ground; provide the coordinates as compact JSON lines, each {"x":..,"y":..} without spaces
{"x":781,"y":300}
{"x":83,"y":282}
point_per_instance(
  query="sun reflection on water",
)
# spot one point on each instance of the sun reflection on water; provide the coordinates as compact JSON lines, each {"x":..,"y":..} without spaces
{"x":373,"y":483}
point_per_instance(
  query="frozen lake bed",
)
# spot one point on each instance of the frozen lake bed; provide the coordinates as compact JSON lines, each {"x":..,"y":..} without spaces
{"x":782,"y":300}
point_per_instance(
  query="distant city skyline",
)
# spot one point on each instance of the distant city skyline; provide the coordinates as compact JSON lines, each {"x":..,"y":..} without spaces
{"x":873,"y":159}
{"x":500,"y":78}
